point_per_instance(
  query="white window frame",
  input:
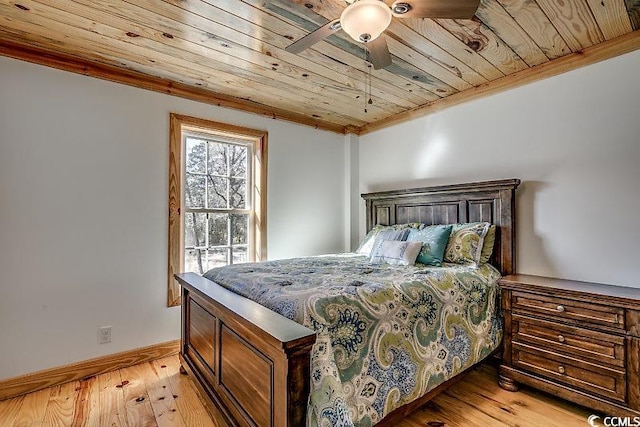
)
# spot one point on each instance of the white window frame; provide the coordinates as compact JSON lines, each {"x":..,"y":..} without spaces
{"x":248,"y":210}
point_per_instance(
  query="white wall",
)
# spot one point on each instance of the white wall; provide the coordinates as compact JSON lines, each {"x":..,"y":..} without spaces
{"x":573,"y":139}
{"x":83,"y":211}
{"x":352,"y":193}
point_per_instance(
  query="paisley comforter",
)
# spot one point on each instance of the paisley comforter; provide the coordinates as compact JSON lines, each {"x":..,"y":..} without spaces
{"x":386,"y":334}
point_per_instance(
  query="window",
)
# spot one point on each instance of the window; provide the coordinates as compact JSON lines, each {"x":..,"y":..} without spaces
{"x":217,"y":199}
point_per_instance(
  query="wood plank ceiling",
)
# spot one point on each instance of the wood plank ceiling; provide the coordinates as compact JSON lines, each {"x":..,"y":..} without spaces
{"x":233,"y":50}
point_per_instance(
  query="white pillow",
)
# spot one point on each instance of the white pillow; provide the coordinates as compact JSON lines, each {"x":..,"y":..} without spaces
{"x":385,"y":235}
{"x":396,"y":252}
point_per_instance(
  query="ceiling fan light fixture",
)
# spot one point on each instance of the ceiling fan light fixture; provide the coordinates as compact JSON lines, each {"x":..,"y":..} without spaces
{"x":401,"y":8}
{"x":365,"y":20}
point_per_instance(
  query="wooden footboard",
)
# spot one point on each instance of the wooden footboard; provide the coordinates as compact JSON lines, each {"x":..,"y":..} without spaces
{"x":252,"y":363}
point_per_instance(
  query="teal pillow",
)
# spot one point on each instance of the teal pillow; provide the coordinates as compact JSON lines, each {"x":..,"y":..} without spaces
{"x":434,"y":240}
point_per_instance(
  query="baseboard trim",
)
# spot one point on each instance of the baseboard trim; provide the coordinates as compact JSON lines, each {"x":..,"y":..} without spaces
{"x":28,"y":383}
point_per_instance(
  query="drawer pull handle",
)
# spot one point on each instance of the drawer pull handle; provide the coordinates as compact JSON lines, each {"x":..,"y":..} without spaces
{"x":561,"y":369}
{"x":560,"y":308}
{"x":560,"y":338}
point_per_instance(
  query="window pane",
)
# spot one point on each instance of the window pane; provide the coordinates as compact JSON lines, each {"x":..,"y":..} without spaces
{"x":238,"y":161}
{"x":218,"y":257}
{"x":194,"y":197}
{"x":195,"y":261}
{"x":239,"y":255}
{"x":196,"y":155}
{"x":218,"y":230}
{"x":238,"y":194}
{"x":217,"y":158}
{"x":239,"y":229}
{"x":217,"y":192}
{"x":195,"y":225}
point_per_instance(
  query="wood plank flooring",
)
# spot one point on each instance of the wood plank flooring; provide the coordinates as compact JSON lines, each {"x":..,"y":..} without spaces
{"x":156,"y":394}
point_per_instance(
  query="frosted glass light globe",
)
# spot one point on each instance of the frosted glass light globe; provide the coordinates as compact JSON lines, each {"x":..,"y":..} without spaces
{"x":365,"y":20}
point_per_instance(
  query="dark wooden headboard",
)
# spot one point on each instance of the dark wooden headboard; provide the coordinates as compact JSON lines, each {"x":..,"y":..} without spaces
{"x":491,"y":201}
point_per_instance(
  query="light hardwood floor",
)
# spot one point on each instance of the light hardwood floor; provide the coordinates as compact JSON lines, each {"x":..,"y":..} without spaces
{"x":156,"y":394}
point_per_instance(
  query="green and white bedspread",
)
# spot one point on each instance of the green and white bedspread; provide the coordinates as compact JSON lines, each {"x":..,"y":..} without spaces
{"x":386,"y":334}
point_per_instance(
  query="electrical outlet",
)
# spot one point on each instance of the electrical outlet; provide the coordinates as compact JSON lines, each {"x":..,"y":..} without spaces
{"x":104,"y":335}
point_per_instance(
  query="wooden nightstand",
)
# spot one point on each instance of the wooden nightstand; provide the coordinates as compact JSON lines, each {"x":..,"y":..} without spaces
{"x":577,"y":340}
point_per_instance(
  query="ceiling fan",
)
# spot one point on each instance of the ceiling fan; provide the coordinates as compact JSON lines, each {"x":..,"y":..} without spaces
{"x":366,"y":20}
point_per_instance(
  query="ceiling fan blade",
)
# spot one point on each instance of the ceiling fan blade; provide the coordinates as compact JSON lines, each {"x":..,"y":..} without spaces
{"x":447,"y":9}
{"x":379,"y":53}
{"x":314,"y":37}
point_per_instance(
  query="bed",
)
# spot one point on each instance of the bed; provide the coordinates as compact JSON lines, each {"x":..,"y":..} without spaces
{"x":256,"y":366}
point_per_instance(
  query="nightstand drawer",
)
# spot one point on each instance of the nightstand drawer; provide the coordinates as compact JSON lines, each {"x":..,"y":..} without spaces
{"x":577,"y":342}
{"x":576,"y":312}
{"x":606,"y":382}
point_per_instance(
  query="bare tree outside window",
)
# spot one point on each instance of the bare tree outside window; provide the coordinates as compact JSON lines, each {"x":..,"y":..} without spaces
{"x":217,"y":209}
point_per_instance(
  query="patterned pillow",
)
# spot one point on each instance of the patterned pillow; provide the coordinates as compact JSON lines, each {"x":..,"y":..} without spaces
{"x":465,"y":243}
{"x":434,"y":240}
{"x":389,"y":234}
{"x":366,"y":244}
{"x":487,"y":246}
{"x":396,"y":252}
